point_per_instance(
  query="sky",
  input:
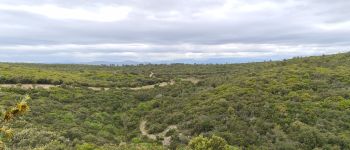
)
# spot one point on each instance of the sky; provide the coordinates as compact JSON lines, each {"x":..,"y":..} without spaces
{"x":66,"y":31}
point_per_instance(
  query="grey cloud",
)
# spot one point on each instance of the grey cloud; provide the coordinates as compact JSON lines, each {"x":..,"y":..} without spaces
{"x":169,"y":24}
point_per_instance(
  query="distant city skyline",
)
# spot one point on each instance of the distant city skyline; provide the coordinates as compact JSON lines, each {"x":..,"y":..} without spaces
{"x":81,"y":31}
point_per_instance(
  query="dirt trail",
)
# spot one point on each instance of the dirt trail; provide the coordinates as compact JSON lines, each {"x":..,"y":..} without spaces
{"x":172,"y":82}
{"x":145,"y":132}
{"x":28,"y":86}
{"x":191,"y":79}
{"x":166,"y":139}
{"x":48,"y":86}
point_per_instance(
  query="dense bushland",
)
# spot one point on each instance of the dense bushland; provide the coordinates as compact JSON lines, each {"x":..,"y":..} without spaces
{"x":301,"y":103}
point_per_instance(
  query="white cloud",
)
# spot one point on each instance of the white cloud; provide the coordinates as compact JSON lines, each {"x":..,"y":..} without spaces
{"x":97,"y":13}
{"x":340,"y":26}
{"x":235,"y":8}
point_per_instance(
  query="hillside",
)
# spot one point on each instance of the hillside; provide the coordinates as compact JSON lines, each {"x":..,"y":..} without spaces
{"x":301,"y":103}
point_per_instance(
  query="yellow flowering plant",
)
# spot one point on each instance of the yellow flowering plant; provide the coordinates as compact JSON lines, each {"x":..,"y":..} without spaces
{"x":19,"y":109}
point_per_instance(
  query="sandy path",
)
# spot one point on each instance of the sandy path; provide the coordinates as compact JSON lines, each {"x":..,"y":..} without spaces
{"x":166,"y":139}
{"x":28,"y":86}
{"x":145,"y":132}
{"x":192,"y":80}
{"x":172,"y":82}
{"x":48,"y":86}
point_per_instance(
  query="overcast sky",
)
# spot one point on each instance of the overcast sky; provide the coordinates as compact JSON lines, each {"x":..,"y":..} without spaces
{"x":156,"y":30}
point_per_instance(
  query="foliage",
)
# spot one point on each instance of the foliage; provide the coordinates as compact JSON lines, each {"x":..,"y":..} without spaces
{"x":301,"y":103}
{"x":6,"y":133}
{"x":212,"y":143}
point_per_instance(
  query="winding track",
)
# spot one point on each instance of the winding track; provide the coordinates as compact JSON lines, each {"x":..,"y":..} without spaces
{"x":48,"y":86}
{"x":166,"y":139}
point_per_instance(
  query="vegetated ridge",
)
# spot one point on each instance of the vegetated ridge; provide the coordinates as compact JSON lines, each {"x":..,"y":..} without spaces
{"x":301,"y":103}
